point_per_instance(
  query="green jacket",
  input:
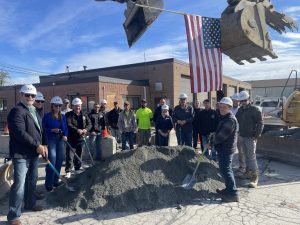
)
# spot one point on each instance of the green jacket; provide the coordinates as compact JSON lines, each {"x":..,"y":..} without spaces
{"x":250,"y":121}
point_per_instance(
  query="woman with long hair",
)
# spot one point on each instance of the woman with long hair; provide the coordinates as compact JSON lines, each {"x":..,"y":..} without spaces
{"x":55,"y":125}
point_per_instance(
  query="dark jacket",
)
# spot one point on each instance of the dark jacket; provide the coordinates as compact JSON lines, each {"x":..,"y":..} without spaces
{"x":50,"y":123}
{"x":157,"y":113}
{"x":197,"y":119}
{"x":113,"y":116}
{"x":74,"y":122}
{"x":164,"y":124}
{"x":225,"y":138}
{"x":208,"y":122}
{"x":24,"y":134}
{"x":97,"y":121}
{"x":250,"y":121}
{"x":186,"y":114}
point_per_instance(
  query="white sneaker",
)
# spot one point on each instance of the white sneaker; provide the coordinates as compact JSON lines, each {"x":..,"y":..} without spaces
{"x":68,"y":175}
{"x":78,"y":171}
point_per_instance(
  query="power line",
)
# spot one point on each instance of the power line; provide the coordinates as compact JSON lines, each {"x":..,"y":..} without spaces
{"x":23,"y":69}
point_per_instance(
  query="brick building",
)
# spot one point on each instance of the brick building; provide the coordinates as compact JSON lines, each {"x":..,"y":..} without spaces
{"x":150,"y":80}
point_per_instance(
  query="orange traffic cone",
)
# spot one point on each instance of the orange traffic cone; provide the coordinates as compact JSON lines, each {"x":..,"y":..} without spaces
{"x":6,"y":131}
{"x":105,"y":133}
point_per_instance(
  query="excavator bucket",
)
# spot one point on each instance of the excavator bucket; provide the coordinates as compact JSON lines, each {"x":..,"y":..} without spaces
{"x":138,"y":19}
{"x":291,"y":111}
{"x":244,"y":35}
{"x":6,"y":178}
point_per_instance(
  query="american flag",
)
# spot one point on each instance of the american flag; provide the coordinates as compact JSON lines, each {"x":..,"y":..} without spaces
{"x":204,"y":42}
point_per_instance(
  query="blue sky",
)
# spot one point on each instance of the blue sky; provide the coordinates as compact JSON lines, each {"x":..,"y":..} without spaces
{"x":46,"y":36}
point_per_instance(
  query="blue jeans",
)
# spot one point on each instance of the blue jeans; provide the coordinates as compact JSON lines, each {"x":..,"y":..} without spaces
{"x":56,"y":157}
{"x":23,"y":188}
{"x":184,"y":138}
{"x":127,"y":136}
{"x":213,"y":154}
{"x":225,"y":165}
{"x":95,"y":143}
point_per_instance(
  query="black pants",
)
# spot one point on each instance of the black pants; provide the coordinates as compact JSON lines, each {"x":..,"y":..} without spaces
{"x":196,"y":133}
{"x":70,"y":158}
{"x":163,"y":141}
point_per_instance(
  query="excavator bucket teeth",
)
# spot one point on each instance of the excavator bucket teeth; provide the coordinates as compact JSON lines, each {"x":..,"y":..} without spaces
{"x":244,"y":33}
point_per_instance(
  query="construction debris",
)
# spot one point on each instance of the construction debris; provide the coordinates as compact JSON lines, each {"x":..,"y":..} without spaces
{"x":143,"y":179}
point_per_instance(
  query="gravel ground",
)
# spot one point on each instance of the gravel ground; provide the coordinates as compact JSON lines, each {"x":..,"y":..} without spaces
{"x":140,"y":180}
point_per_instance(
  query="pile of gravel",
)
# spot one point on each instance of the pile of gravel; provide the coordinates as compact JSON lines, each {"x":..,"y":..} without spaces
{"x":139,"y":180}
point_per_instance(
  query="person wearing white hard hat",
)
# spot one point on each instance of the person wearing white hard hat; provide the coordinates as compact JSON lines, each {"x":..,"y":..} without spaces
{"x":55,"y":124}
{"x":157,"y":113}
{"x":39,"y":103}
{"x":235,"y":100}
{"x":251,"y":126}
{"x":225,"y":142}
{"x":66,"y":106}
{"x":163,"y":125}
{"x":27,"y":141}
{"x":234,"y":109}
{"x":183,"y":116}
{"x":78,"y":126}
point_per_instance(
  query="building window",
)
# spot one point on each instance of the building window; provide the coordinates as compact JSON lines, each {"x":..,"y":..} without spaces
{"x":3,"y":104}
{"x":134,"y":101}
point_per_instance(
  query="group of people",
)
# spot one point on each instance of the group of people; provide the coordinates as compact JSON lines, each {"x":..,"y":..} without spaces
{"x":33,"y":132}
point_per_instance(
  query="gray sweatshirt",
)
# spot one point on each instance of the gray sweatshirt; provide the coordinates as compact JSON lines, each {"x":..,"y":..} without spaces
{"x":127,"y":123}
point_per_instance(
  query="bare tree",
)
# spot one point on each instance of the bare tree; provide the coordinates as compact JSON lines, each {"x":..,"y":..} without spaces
{"x":4,"y":76}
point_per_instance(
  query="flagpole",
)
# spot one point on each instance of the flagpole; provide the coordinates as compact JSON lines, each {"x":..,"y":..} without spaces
{"x":160,"y":9}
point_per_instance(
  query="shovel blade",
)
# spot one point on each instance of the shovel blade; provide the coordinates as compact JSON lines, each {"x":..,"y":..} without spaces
{"x":188,"y":182}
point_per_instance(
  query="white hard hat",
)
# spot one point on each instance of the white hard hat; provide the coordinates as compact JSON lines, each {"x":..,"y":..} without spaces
{"x":39,"y":96}
{"x":28,"y":89}
{"x":183,"y":96}
{"x":56,"y":100}
{"x":164,"y":107}
{"x":235,"y":96}
{"x":243,"y":95}
{"x":76,"y":101}
{"x":103,"y":101}
{"x":227,"y":101}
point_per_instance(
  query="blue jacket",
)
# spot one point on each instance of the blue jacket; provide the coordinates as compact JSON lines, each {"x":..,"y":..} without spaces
{"x":24,"y":134}
{"x":50,"y":123}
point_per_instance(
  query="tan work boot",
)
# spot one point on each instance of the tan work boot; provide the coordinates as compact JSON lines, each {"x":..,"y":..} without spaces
{"x":246,"y":175}
{"x":253,"y":180}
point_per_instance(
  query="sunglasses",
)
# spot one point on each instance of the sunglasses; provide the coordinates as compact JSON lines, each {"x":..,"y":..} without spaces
{"x":57,"y":105}
{"x":39,"y":101}
{"x":29,"y":95}
{"x":243,"y":101}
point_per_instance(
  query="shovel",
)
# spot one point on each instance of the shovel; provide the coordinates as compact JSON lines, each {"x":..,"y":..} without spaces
{"x":190,"y":180}
{"x":88,"y":149}
{"x":71,"y":189}
{"x":74,"y":152}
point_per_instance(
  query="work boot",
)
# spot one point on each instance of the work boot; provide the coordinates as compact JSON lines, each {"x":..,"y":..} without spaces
{"x":230,"y":198}
{"x":253,"y":180}
{"x":222,"y":191}
{"x":244,"y":176}
{"x":15,"y":222}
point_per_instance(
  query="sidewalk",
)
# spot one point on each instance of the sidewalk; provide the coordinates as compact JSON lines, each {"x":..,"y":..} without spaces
{"x":275,"y":201}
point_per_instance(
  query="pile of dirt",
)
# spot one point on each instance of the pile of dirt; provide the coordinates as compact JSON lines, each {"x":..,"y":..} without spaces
{"x":144,"y":179}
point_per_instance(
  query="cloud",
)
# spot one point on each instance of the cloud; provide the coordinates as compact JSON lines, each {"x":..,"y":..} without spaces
{"x":292,"y":9}
{"x":7,"y":12}
{"x":281,"y":44}
{"x":295,"y":36}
